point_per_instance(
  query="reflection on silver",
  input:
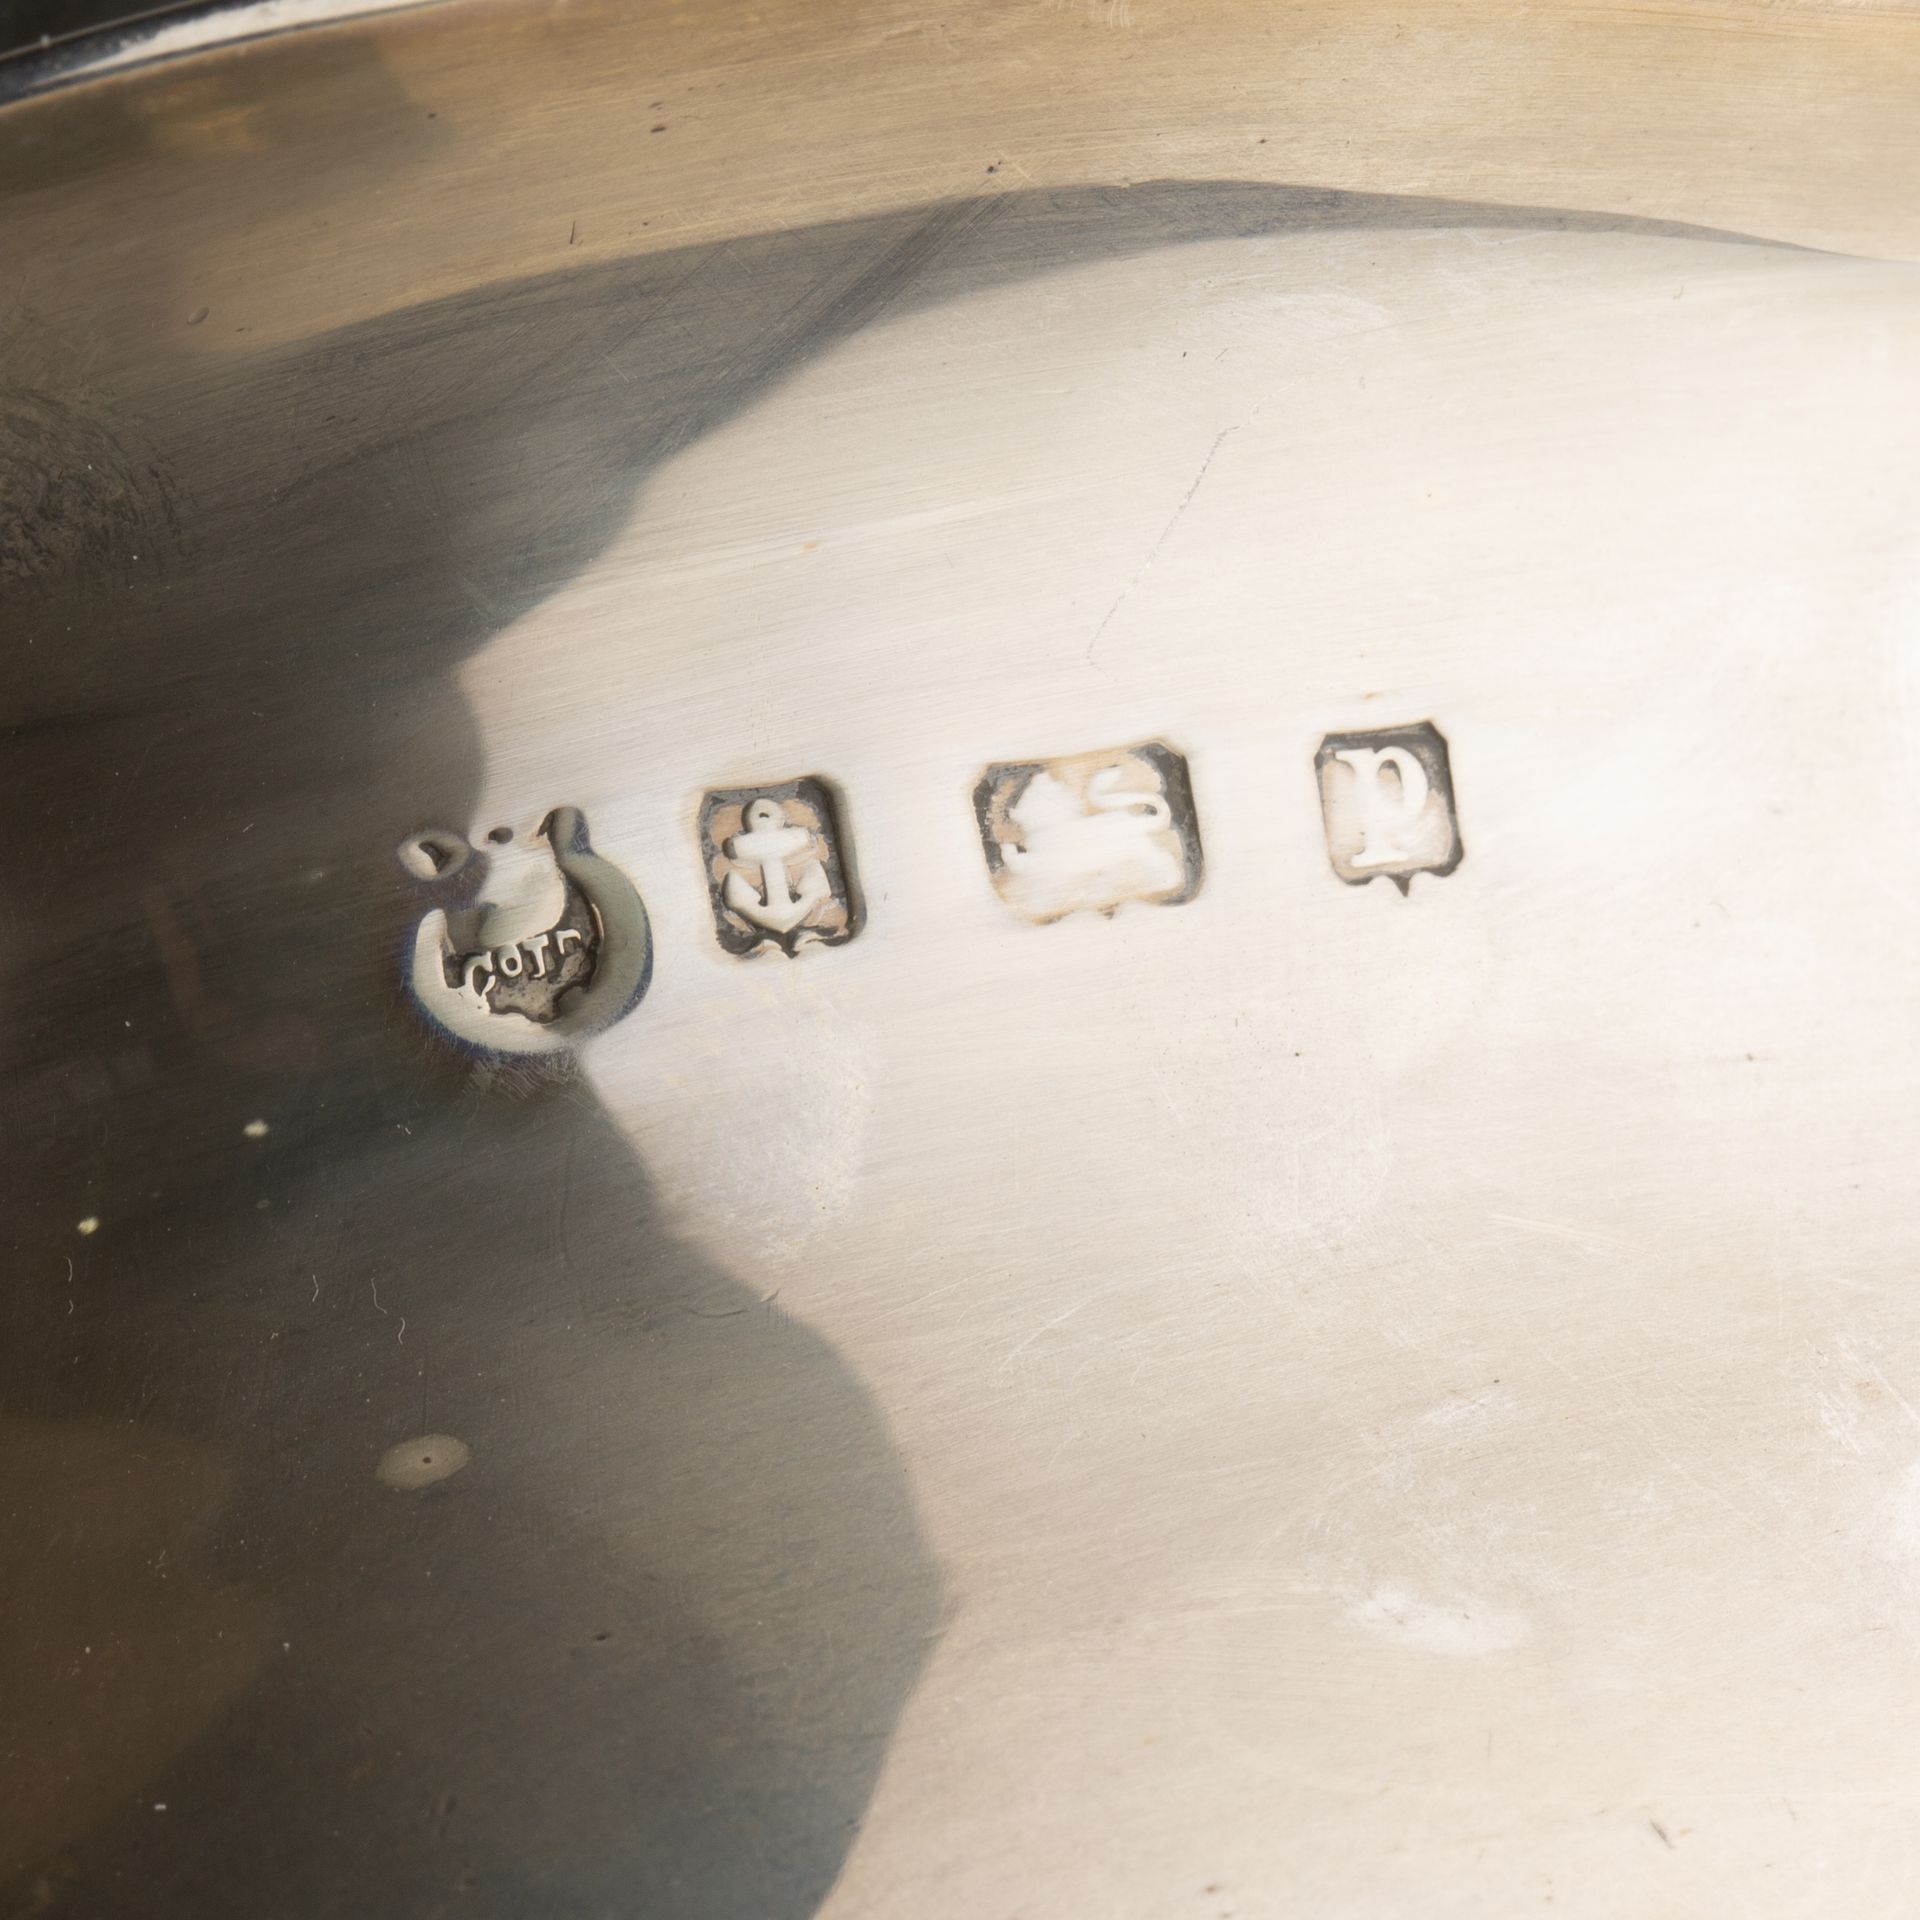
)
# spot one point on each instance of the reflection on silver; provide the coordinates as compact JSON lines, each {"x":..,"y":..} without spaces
{"x":1400,"y":1397}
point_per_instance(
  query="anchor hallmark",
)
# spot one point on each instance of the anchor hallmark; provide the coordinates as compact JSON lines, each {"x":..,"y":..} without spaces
{"x":1387,"y":798}
{"x":779,"y":868}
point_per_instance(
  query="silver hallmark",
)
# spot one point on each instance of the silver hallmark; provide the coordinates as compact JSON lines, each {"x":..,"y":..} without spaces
{"x":1387,"y":799}
{"x":533,"y":942}
{"x":1091,"y":831}
{"x":779,"y":867}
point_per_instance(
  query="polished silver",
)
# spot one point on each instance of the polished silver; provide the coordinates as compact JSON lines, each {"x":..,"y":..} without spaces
{"x":1252,"y":1394}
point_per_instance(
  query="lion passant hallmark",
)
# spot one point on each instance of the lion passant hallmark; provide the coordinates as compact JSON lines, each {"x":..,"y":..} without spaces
{"x":1091,"y":831}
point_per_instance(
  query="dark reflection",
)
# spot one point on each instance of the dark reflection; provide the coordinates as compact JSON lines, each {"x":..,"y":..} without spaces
{"x":643,"y":1654}
{"x":26,"y":23}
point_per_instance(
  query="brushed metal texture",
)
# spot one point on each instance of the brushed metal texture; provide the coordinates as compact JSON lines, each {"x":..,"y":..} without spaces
{"x":1273,"y":1394}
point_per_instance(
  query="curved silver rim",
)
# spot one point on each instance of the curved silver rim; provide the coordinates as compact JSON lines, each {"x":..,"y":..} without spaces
{"x":170,"y":34}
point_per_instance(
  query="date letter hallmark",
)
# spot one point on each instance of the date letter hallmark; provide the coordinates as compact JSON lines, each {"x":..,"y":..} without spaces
{"x":533,"y":944}
{"x":1090,"y":832}
{"x":779,"y":868}
{"x":1387,"y":798}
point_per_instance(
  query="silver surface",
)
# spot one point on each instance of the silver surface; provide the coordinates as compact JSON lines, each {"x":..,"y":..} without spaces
{"x":1274,"y":1396}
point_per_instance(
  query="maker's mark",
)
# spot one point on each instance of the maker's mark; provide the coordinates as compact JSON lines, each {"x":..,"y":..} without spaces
{"x":535,"y":943}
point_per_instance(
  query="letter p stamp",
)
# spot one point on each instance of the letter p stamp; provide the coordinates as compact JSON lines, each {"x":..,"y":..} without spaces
{"x":1387,"y":799}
